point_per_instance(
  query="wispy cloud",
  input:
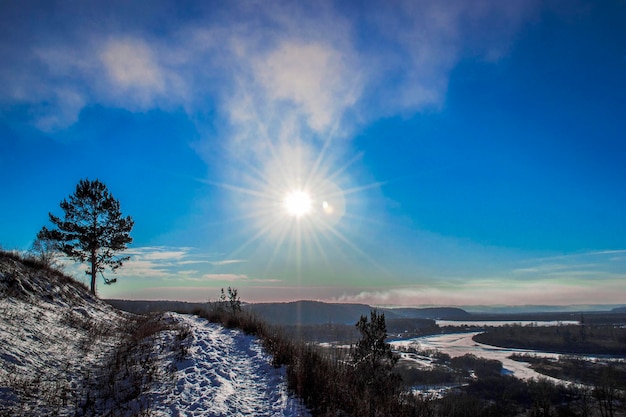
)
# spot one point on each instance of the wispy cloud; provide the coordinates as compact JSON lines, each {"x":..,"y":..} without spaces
{"x":591,"y":266}
{"x":312,"y":66}
{"x":160,"y":253}
{"x":228,"y":262}
{"x":133,"y":71}
{"x":171,"y":264}
{"x":220,"y":277}
{"x":235,"y":278}
{"x":615,"y":254}
{"x":316,"y":77}
{"x":592,"y":277}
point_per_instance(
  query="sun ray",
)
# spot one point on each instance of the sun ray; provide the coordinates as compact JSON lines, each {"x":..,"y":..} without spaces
{"x":318,"y":161}
{"x":255,"y":237}
{"x":315,"y":238}
{"x":281,"y":239}
{"x":358,"y":250}
{"x":354,"y":190}
{"x":261,"y":127}
{"x":345,"y":166}
{"x":329,"y":138}
{"x":298,"y":200}
{"x":239,"y":189}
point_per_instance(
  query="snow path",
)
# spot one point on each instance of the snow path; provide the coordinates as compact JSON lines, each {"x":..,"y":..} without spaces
{"x":226,"y":373}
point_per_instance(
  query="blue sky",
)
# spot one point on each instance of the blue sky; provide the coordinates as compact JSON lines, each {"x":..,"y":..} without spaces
{"x":453,"y":153}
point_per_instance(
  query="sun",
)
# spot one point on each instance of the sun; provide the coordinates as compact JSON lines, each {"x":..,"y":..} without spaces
{"x":301,"y":207}
{"x":297,"y":203}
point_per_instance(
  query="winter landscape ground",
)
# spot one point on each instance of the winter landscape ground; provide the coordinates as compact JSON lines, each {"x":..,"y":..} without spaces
{"x":67,"y":353}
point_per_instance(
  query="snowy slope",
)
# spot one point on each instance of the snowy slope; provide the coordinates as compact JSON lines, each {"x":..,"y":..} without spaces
{"x":52,"y":332}
{"x":64,"y":352}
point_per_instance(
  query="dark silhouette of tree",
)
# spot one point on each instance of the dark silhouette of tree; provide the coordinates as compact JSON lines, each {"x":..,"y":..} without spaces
{"x":374,"y":361}
{"x":92,"y":230}
{"x":233,"y":302}
{"x":371,"y":350}
{"x":607,"y":393}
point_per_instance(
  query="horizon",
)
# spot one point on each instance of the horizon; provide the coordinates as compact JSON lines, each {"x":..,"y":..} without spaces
{"x":417,"y":153}
{"x":486,"y":309}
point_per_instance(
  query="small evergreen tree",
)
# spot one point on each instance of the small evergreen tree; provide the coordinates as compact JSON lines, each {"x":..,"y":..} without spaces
{"x":374,"y":361}
{"x":233,"y":300}
{"x":92,"y":230}
{"x":371,"y":350}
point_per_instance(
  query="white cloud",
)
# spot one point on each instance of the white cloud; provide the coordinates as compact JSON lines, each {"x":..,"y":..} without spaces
{"x":141,"y":74}
{"x":66,"y":104}
{"x":131,"y":65}
{"x":315,"y":67}
{"x":228,"y":262}
{"x":316,"y":77}
{"x":419,"y":43}
{"x":222,"y":277}
{"x":163,"y":254}
{"x":242,"y":278}
{"x":58,"y":79}
{"x":167,"y":263}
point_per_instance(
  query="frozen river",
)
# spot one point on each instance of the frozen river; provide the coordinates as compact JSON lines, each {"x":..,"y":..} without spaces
{"x":459,"y":344}
{"x":499,"y":323}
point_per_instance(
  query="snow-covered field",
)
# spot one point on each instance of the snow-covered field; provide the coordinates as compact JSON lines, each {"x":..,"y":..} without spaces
{"x":459,"y":344}
{"x":65,"y":353}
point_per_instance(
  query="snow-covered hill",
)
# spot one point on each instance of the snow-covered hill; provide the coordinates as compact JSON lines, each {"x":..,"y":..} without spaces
{"x":65,"y":352}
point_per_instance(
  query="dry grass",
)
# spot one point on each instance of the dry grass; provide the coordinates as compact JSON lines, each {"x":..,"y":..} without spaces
{"x":324,"y":379}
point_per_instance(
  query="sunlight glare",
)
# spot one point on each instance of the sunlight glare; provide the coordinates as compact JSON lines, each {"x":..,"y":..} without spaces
{"x":298,"y":203}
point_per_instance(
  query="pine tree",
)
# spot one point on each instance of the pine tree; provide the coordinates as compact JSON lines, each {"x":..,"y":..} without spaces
{"x":371,"y":350}
{"x":92,"y":230}
{"x":373,"y":362}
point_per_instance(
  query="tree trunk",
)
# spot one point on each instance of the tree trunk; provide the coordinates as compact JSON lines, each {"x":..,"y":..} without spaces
{"x":94,"y":251}
{"x":93,"y":272}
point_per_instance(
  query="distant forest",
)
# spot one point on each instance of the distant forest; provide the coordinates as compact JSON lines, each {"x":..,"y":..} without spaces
{"x":572,"y":339}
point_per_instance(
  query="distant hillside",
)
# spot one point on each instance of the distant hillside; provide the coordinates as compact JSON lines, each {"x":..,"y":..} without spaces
{"x":310,"y":312}
{"x":144,"y":306}
{"x":620,"y":310}
{"x":302,"y":312}
{"x":436,"y":313}
{"x":543,"y":309}
{"x":316,"y":312}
